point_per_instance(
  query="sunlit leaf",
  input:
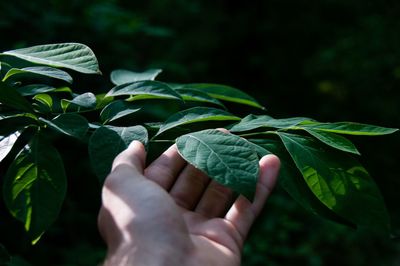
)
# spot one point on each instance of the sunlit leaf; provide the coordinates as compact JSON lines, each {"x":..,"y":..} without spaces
{"x":351,"y":128}
{"x":334,"y":140}
{"x":73,"y":56}
{"x":35,"y":186}
{"x":339,"y":182}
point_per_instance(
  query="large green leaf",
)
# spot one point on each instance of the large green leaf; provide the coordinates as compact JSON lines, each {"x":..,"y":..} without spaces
{"x":334,"y":140}
{"x":225,"y":93}
{"x":197,"y":96}
{"x":37,"y":71}
{"x":35,"y":186}
{"x":350,"y":128}
{"x":339,"y":182}
{"x":73,"y":56}
{"x":251,"y":122}
{"x":9,"y":96}
{"x":6,"y":144}
{"x":195,"y":115}
{"x":72,"y":125}
{"x":122,"y":76}
{"x":293,"y":183}
{"x":147,"y":87}
{"x":11,"y":124}
{"x":226,"y":158}
{"x":107,"y":142}
{"x":116,"y":110}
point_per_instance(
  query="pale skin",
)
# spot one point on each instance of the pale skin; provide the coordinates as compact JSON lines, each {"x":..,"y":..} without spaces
{"x":170,"y":213}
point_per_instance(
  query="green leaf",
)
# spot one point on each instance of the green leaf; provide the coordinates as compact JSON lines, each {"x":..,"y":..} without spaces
{"x":194,"y":115}
{"x":107,"y":142}
{"x":72,"y":125}
{"x":6,"y":144}
{"x":38,"y":71}
{"x":197,"y":96}
{"x":46,"y":102}
{"x":34,"y":89}
{"x":152,"y":88}
{"x":9,"y":96}
{"x":224,"y":157}
{"x":86,"y":100}
{"x":73,"y":56}
{"x":35,"y":186}
{"x":351,"y":128}
{"x":334,"y":140}
{"x":116,"y":110}
{"x":251,"y":122}
{"x":225,"y":93}
{"x":122,"y":76}
{"x":11,"y":124}
{"x":292,"y":181}
{"x":339,"y":182}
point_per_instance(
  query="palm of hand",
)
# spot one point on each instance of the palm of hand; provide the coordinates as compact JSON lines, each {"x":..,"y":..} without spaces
{"x":173,"y":210}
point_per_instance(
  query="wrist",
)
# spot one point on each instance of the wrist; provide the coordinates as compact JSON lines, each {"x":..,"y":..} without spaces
{"x":146,"y":255}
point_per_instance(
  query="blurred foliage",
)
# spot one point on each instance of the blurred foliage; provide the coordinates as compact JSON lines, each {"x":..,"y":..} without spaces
{"x":330,"y":60}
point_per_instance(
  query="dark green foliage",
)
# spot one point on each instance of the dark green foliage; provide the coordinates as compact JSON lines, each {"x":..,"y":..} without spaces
{"x":317,"y":170}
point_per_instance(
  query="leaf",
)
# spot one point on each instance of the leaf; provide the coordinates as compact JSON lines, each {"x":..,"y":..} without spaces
{"x":226,"y":158}
{"x":251,"y":122}
{"x":194,"y":115}
{"x":73,"y":56}
{"x":122,"y":76}
{"x":225,"y":93}
{"x":197,"y":96}
{"x":152,"y":88}
{"x":339,"y":182}
{"x":38,"y":71}
{"x":333,"y":140}
{"x":116,"y":110}
{"x":72,"y":125}
{"x":107,"y":142}
{"x":11,"y":124}
{"x":86,"y":100}
{"x":293,"y":183}
{"x":35,"y":186}
{"x":34,"y":89}
{"x":351,"y":128}
{"x":6,"y":144}
{"x":9,"y":96}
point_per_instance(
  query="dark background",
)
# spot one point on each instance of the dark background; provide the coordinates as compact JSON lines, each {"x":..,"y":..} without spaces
{"x":332,"y":60}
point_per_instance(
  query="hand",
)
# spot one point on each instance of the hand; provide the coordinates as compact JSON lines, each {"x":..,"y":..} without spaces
{"x":170,"y":213}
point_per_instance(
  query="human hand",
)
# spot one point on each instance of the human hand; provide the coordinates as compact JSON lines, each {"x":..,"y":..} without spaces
{"x":171,"y":213}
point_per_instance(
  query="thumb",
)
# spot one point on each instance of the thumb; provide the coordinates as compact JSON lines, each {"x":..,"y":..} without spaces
{"x":134,"y":157}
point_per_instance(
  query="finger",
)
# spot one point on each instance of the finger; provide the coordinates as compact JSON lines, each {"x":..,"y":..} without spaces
{"x":189,"y":187}
{"x":243,"y":213}
{"x":215,"y":200}
{"x":134,"y":156}
{"x":166,"y":168}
